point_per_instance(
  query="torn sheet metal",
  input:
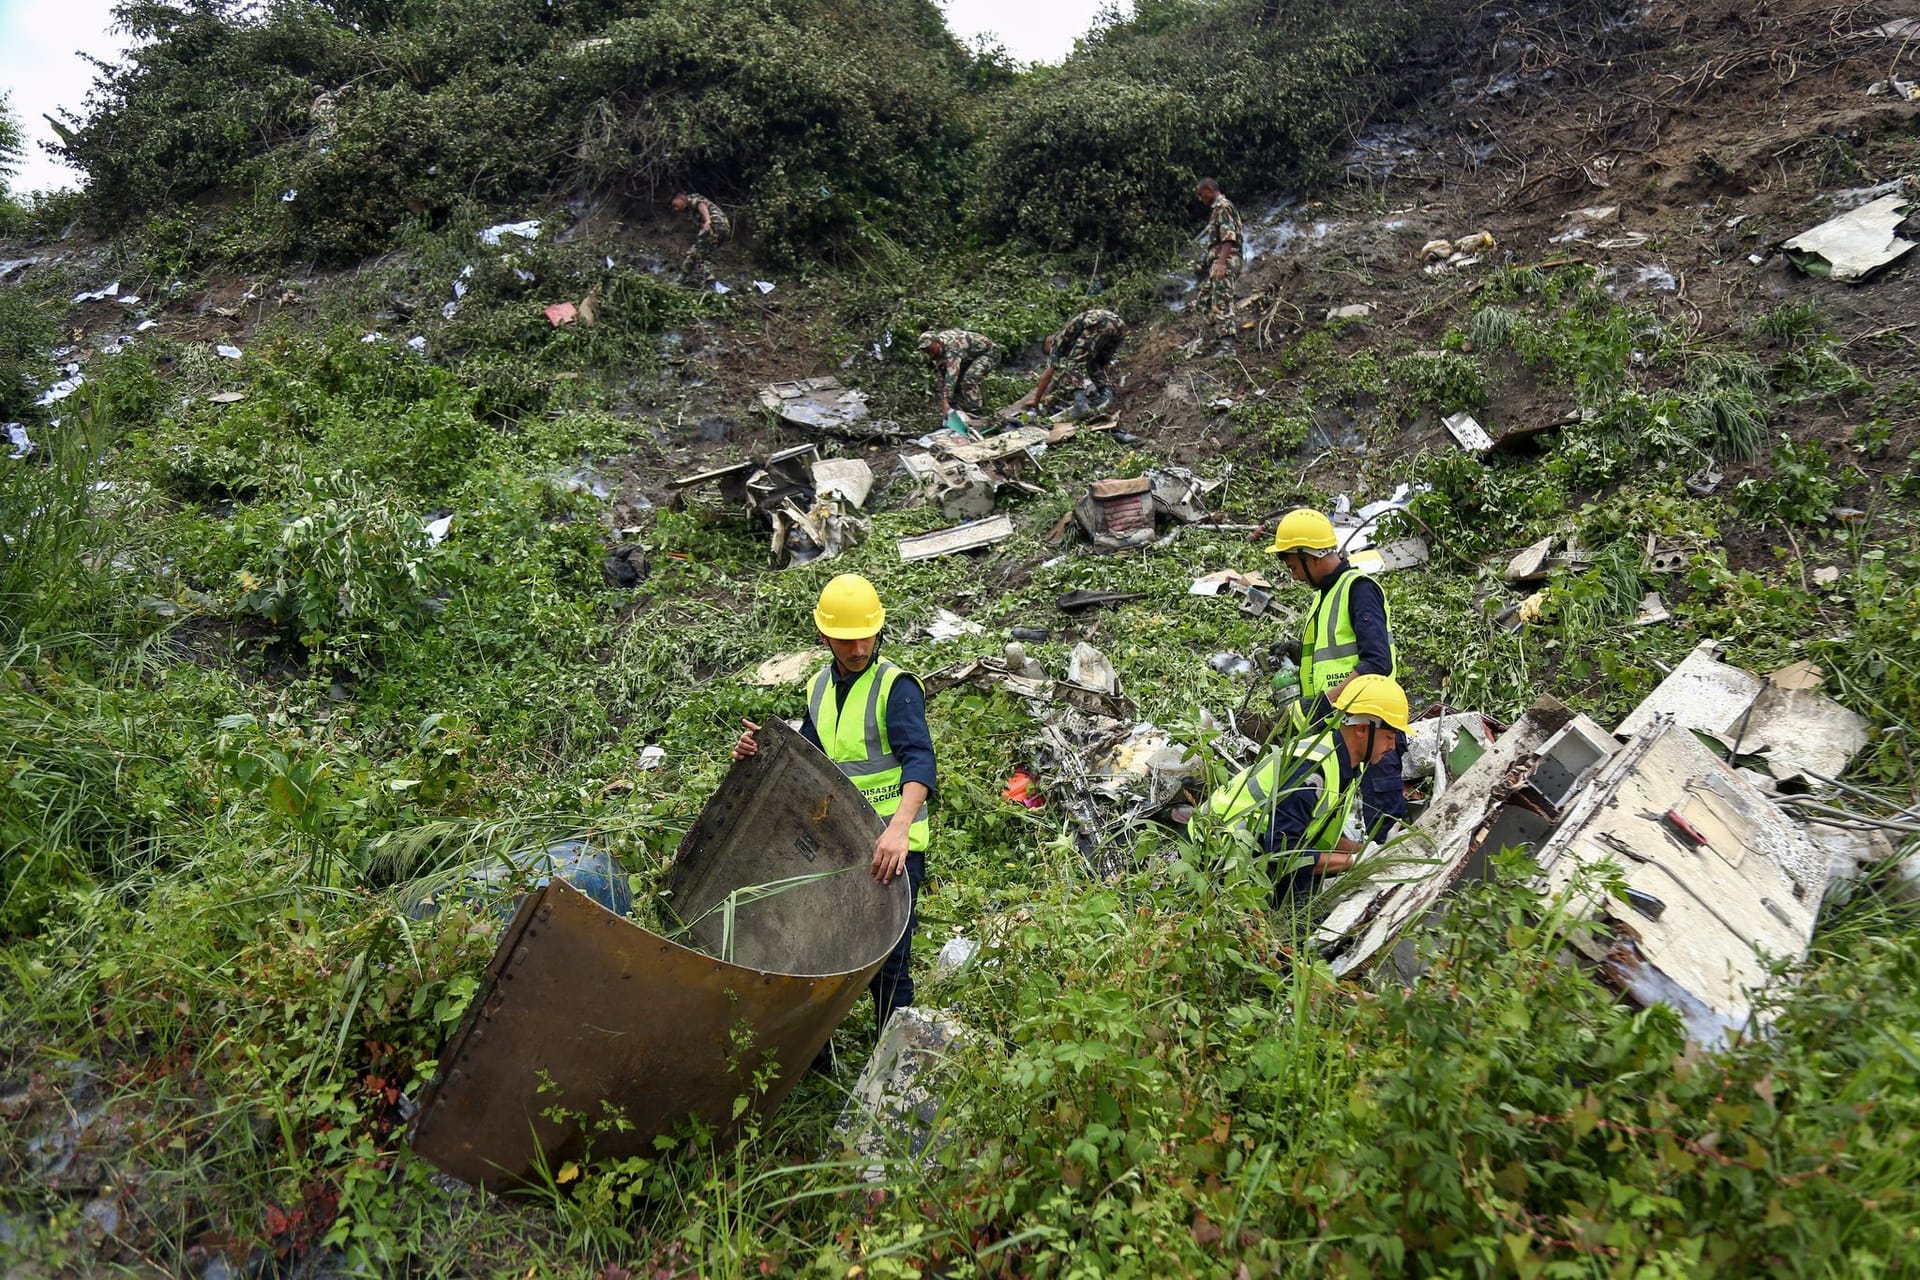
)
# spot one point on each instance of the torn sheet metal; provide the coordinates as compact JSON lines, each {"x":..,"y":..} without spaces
{"x":893,"y":1113}
{"x":1467,"y":432}
{"x":1228,"y":582}
{"x":1707,"y":919}
{"x":962,"y":490}
{"x":1783,"y":719}
{"x":822,"y":404}
{"x":845,"y":480}
{"x":1854,"y":245}
{"x":1408,"y":553}
{"x":1702,"y":693}
{"x":586,"y":1014}
{"x":1443,"y":846}
{"x":1434,"y":739}
{"x":819,"y":532}
{"x":1801,"y":731}
{"x":1014,"y":442}
{"x":992,"y":673}
{"x":764,"y":485}
{"x":971,"y":536}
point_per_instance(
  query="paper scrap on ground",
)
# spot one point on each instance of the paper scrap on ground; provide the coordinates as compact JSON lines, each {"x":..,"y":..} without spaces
{"x":228,"y":350}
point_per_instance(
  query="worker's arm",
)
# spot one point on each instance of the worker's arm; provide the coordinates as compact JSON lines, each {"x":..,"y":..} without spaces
{"x":912,"y":745}
{"x":890,"y":850}
{"x":1367,"y":610}
{"x":706,"y":217}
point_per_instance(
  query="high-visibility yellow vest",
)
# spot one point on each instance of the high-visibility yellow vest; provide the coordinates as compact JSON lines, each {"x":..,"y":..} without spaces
{"x":1329,"y":649}
{"x":857,"y":741}
{"x":1248,"y":800}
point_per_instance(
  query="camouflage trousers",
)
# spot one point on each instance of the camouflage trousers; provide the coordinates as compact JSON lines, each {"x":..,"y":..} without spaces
{"x":967,"y":383}
{"x":1216,"y":295}
{"x":694,"y":265}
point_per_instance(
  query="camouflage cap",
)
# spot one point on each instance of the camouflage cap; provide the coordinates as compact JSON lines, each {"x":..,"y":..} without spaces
{"x":928,"y":338}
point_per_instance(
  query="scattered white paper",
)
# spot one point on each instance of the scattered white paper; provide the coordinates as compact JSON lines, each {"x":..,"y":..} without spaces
{"x":287,"y":196}
{"x":764,"y":286}
{"x":720,"y":288}
{"x":145,"y":325}
{"x":22,"y":446}
{"x":436,"y":530}
{"x":652,"y":757}
{"x":99,"y":295}
{"x":447,"y":312}
{"x":417,"y":343}
{"x":528,"y":230}
{"x":229,"y":351}
{"x":373,"y":337}
{"x":459,"y":289}
{"x":129,"y":300}
{"x":525,"y":277}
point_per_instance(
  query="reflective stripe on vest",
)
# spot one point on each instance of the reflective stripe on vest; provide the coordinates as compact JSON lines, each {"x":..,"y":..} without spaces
{"x":1329,"y":648}
{"x":1250,"y":795}
{"x":859,"y":745}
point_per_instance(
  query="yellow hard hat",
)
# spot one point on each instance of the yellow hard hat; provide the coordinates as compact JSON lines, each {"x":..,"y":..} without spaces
{"x":1303,"y":529}
{"x":1376,"y":697}
{"x":849,"y":609}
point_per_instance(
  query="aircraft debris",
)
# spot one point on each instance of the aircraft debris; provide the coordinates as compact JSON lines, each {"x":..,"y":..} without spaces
{"x":847,"y":480}
{"x":962,"y":490}
{"x":783,"y":930}
{"x":1854,"y":245}
{"x":1076,"y":600}
{"x":527,"y":230}
{"x":819,"y":532}
{"x":1123,"y":513}
{"x":821,"y":404}
{"x":787,"y":668}
{"x":947,"y":625}
{"x":893,"y":1114}
{"x":1090,"y":669}
{"x":971,"y":536}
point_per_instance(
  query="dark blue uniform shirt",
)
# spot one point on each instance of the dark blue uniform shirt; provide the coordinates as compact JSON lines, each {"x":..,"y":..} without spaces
{"x":1295,"y":807}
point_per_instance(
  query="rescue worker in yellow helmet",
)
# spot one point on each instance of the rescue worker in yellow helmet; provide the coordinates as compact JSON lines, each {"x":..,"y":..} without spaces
{"x":1347,"y":633}
{"x":870,"y":717}
{"x":1295,"y":798}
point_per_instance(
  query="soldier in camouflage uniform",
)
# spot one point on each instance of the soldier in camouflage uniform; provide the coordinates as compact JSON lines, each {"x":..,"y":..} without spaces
{"x":1087,"y":342}
{"x":964,"y":359}
{"x":1219,"y":265}
{"x":715,"y":230}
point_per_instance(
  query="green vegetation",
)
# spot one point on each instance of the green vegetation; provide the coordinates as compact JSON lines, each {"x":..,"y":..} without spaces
{"x":252,"y":711}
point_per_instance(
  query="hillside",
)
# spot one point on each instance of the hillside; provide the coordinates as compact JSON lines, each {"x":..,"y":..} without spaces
{"x":337,"y":568}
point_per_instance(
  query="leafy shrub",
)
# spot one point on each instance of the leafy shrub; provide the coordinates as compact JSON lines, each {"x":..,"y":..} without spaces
{"x":816,"y":115}
{"x":1445,"y":382}
{"x":349,"y":566}
{"x":1106,"y":150}
{"x":1801,"y":488}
